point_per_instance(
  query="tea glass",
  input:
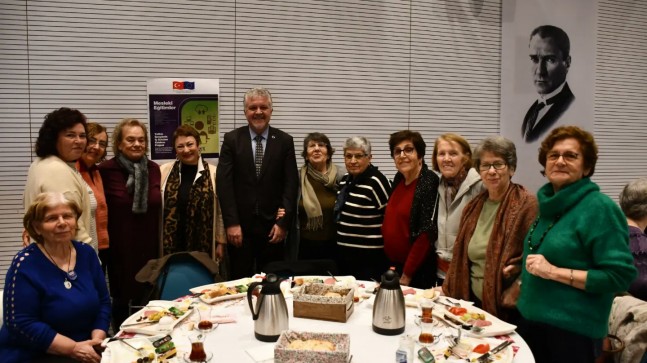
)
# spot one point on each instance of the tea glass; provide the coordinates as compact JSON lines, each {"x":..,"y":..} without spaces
{"x":426,"y":336}
{"x":205,"y":325}
{"x":198,"y":353}
{"x":427,"y":307}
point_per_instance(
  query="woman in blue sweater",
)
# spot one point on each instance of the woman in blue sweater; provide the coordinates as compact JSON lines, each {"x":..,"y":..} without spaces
{"x":576,"y":255}
{"x":56,"y":302}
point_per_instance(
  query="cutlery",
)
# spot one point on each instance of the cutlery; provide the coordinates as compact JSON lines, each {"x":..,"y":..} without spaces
{"x":333,"y":276}
{"x":458,"y":322}
{"x":140,"y":351}
{"x":444,"y":304}
{"x":451,"y":303}
{"x":140,"y":323}
{"x":486,"y":357}
{"x":446,"y":323}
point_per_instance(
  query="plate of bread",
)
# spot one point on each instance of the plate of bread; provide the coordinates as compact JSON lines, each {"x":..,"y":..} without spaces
{"x":224,"y":291}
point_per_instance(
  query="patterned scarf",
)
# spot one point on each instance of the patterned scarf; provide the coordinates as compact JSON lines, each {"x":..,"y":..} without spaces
{"x":198,"y":216}
{"x":310,"y":201}
{"x":137,"y":183}
{"x":453,"y":184}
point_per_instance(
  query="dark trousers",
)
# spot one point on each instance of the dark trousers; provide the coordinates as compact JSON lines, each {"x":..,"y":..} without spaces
{"x":424,"y":278}
{"x":317,"y":250}
{"x":104,"y":257}
{"x":550,"y":344}
{"x":363,"y":263}
{"x":256,"y":251}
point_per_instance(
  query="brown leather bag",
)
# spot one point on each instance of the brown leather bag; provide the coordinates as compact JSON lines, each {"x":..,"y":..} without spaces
{"x":611,"y":346}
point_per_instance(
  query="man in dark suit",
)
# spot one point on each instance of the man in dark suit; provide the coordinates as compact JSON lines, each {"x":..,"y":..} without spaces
{"x":256,"y":175}
{"x":550,"y":56}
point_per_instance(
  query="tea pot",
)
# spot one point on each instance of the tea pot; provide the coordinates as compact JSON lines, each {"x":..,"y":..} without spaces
{"x":388,"y":307}
{"x":271,"y":314}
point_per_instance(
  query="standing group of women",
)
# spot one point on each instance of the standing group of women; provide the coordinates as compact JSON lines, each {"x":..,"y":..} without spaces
{"x":551,"y":264}
{"x":86,"y":215}
{"x":463,"y":226}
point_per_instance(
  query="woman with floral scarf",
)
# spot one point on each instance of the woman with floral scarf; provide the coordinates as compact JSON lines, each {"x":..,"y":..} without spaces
{"x":191,"y":219}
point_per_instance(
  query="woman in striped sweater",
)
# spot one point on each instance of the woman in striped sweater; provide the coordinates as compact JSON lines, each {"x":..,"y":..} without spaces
{"x":359,"y":211}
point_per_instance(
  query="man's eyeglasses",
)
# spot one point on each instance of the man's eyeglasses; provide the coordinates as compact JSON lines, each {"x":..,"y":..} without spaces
{"x":92,"y":141}
{"x":568,"y":156}
{"x":497,"y":165}
{"x":408,"y":150}
{"x":357,"y":157}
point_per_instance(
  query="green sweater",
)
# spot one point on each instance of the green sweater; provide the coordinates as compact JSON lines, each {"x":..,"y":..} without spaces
{"x":590,"y":235}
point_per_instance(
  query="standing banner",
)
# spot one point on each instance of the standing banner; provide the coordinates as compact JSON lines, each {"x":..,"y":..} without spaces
{"x":173,"y":102}
{"x":547,"y":75}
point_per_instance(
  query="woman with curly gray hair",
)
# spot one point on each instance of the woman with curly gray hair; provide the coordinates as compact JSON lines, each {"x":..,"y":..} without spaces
{"x":633,"y":202}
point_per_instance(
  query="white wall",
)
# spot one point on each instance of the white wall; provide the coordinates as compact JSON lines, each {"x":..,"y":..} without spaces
{"x":340,"y":67}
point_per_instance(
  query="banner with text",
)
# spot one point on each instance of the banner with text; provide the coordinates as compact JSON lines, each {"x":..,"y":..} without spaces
{"x":175,"y":101}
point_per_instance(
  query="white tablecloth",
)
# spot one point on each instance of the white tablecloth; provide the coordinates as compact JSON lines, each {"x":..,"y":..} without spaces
{"x":231,"y":342}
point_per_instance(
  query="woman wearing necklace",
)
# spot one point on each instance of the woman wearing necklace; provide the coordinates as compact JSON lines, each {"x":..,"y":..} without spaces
{"x":487,"y":252}
{"x":409,"y":228}
{"x":60,"y":143}
{"x":576,"y":255}
{"x":131,"y":184}
{"x":56,"y":298}
{"x":192,"y":218}
{"x":459,"y":184}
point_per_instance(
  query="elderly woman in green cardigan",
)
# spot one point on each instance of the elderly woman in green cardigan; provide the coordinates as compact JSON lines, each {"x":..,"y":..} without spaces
{"x":576,"y":255}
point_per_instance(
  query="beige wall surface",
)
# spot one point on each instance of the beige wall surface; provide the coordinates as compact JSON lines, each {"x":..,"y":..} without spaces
{"x":343,"y":67}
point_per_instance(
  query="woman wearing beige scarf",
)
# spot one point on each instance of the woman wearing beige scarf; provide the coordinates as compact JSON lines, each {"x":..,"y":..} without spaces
{"x":319,"y":183}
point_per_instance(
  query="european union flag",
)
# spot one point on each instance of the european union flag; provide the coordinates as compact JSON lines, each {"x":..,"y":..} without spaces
{"x":189,"y":85}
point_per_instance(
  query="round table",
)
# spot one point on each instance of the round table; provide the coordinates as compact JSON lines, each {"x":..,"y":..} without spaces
{"x":235,"y":342}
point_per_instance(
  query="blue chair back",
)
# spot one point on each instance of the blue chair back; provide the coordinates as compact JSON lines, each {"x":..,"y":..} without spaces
{"x":182,"y":272}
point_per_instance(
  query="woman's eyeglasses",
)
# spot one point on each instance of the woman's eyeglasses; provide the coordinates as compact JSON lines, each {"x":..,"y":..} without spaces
{"x":497,"y":165}
{"x":568,"y":156}
{"x":92,"y":141}
{"x":408,"y":150}
{"x":357,"y":157}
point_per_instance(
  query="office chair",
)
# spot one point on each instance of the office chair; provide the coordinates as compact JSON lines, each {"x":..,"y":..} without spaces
{"x":171,"y":276}
{"x":285,"y":269}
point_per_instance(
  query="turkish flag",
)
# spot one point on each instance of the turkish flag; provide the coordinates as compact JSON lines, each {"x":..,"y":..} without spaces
{"x":178,"y":85}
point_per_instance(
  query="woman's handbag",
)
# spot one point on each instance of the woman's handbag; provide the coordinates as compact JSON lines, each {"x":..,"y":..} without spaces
{"x":611,"y":346}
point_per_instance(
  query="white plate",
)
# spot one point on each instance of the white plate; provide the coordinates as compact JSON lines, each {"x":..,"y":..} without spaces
{"x":413,"y":300}
{"x":208,"y":300}
{"x":498,"y":327}
{"x":504,"y":356}
{"x":410,"y":300}
{"x":153,"y":328}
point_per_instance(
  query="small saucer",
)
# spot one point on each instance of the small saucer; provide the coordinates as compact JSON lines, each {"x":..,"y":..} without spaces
{"x":186,"y":358}
{"x":205,"y":331}
{"x":436,"y":340}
